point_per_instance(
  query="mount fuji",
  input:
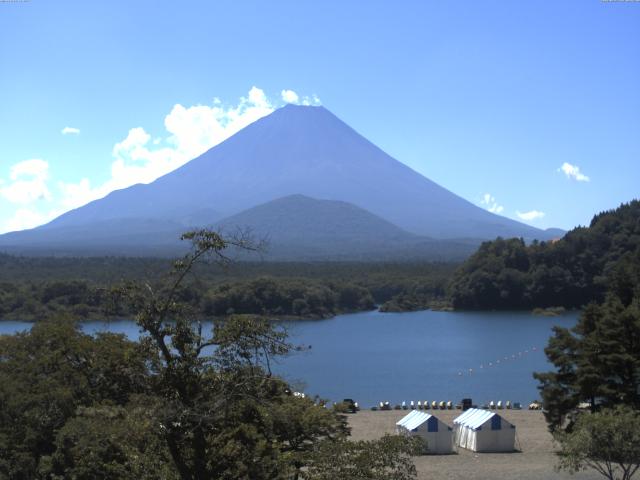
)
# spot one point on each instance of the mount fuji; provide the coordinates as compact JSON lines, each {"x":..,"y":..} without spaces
{"x":301,"y":153}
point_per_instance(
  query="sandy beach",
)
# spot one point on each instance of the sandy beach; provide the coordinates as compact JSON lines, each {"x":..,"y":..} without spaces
{"x":535,"y":459}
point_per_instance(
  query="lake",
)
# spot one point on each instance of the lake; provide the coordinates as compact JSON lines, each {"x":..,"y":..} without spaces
{"x":427,"y":355}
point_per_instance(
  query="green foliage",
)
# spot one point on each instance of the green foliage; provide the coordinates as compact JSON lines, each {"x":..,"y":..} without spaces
{"x":50,"y":372}
{"x":607,"y":441}
{"x":570,"y":272}
{"x":388,"y":458}
{"x":217,"y":390}
{"x":270,"y":296}
{"x":299,"y":423}
{"x":33,"y":289}
{"x":109,"y":442}
{"x":182,"y":403}
{"x":30,"y":301}
{"x":597,"y":361}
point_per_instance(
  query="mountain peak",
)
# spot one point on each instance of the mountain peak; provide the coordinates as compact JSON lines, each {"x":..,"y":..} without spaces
{"x":309,"y":108}
{"x":291,"y":109}
{"x":300,"y":117}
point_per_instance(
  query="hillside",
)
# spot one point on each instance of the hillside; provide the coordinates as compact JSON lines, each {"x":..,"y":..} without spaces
{"x":570,"y":272}
{"x":303,"y":228}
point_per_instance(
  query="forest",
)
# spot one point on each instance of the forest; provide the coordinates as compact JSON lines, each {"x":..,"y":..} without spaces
{"x":36,"y":288}
{"x":569,"y":272}
{"x":502,"y":274}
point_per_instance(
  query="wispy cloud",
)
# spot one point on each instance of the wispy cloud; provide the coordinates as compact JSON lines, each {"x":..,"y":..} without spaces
{"x":70,"y":131}
{"x":489,"y":202}
{"x":312,"y":100}
{"x":573,"y":172}
{"x":531,"y":215}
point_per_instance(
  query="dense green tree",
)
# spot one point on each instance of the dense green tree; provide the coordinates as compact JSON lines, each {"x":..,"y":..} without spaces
{"x":597,"y":361}
{"x":75,"y":406}
{"x":299,"y":422}
{"x":222,"y":413}
{"x":36,"y":288}
{"x":181,"y":403}
{"x":107,"y":442}
{"x":494,"y":277}
{"x":47,"y":374}
{"x":388,"y":458}
{"x":569,"y":272}
{"x":606,"y":441}
{"x":271,"y":296}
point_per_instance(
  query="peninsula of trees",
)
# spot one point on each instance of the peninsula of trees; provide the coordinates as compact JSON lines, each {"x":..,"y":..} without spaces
{"x":33,"y":288}
{"x":569,"y":272}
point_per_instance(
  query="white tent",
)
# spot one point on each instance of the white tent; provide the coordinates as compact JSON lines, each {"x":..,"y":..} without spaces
{"x":484,"y":431}
{"x":438,"y":435}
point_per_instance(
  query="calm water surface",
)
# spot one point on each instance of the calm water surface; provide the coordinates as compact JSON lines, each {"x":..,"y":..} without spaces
{"x":427,"y":355}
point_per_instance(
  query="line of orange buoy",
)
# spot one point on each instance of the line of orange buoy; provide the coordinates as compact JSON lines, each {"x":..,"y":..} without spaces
{"x":506,"y":358}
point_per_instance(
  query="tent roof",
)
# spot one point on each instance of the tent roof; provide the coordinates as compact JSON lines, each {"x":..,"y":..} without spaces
{"x":413,"y":420}
{"x":474,"y":418}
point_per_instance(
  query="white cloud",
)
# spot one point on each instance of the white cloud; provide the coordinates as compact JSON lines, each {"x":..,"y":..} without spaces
{"x":192,"y":131}
{"x":28,"y":182}
{"x":75,"y":195}
{"x":313,"y":100}
{"x":24,"y":218}
{"x":33,"y":167}
{"x":70,"y":130}
{"x":490,"y":203}
{"x":137,"y":158}
{"x":573,"y":172}
{"x":289,"y":96}
{"x":532,"y":215}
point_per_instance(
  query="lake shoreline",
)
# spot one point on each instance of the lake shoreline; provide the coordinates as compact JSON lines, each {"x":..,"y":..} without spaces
{"x":538,"y":311}
{"x":427,"y":355}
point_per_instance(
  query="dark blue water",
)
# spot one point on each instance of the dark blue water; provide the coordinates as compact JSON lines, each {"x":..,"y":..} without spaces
{"x":426,"y":355}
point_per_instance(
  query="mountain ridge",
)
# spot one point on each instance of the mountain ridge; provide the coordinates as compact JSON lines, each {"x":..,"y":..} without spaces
{"x":296,"y":228}
{"x":303,"y":228}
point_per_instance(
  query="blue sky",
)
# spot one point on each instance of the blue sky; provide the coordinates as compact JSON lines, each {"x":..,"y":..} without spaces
{"x":531,"y":109}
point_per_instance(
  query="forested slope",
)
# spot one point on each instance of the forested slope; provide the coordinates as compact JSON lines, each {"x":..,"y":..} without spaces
{"x":570,"y":272}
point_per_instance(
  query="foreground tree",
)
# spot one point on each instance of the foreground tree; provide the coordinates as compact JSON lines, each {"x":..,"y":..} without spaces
{"x":216,"y":390}
{"x":223,"y":414}
{"x":606,"y":441}
{"x":598,"y":361}
{"x":46,"y":375}
{"x":182,"y":403}
{"x":388,"y":458}
{"x":110,"y":442}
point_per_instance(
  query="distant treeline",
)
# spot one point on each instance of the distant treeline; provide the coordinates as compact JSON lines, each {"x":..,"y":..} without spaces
{"x":39,"y":288}
{"x":303,"y":298}
{"x":502,"y":274}
{"x":570,"y":272}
